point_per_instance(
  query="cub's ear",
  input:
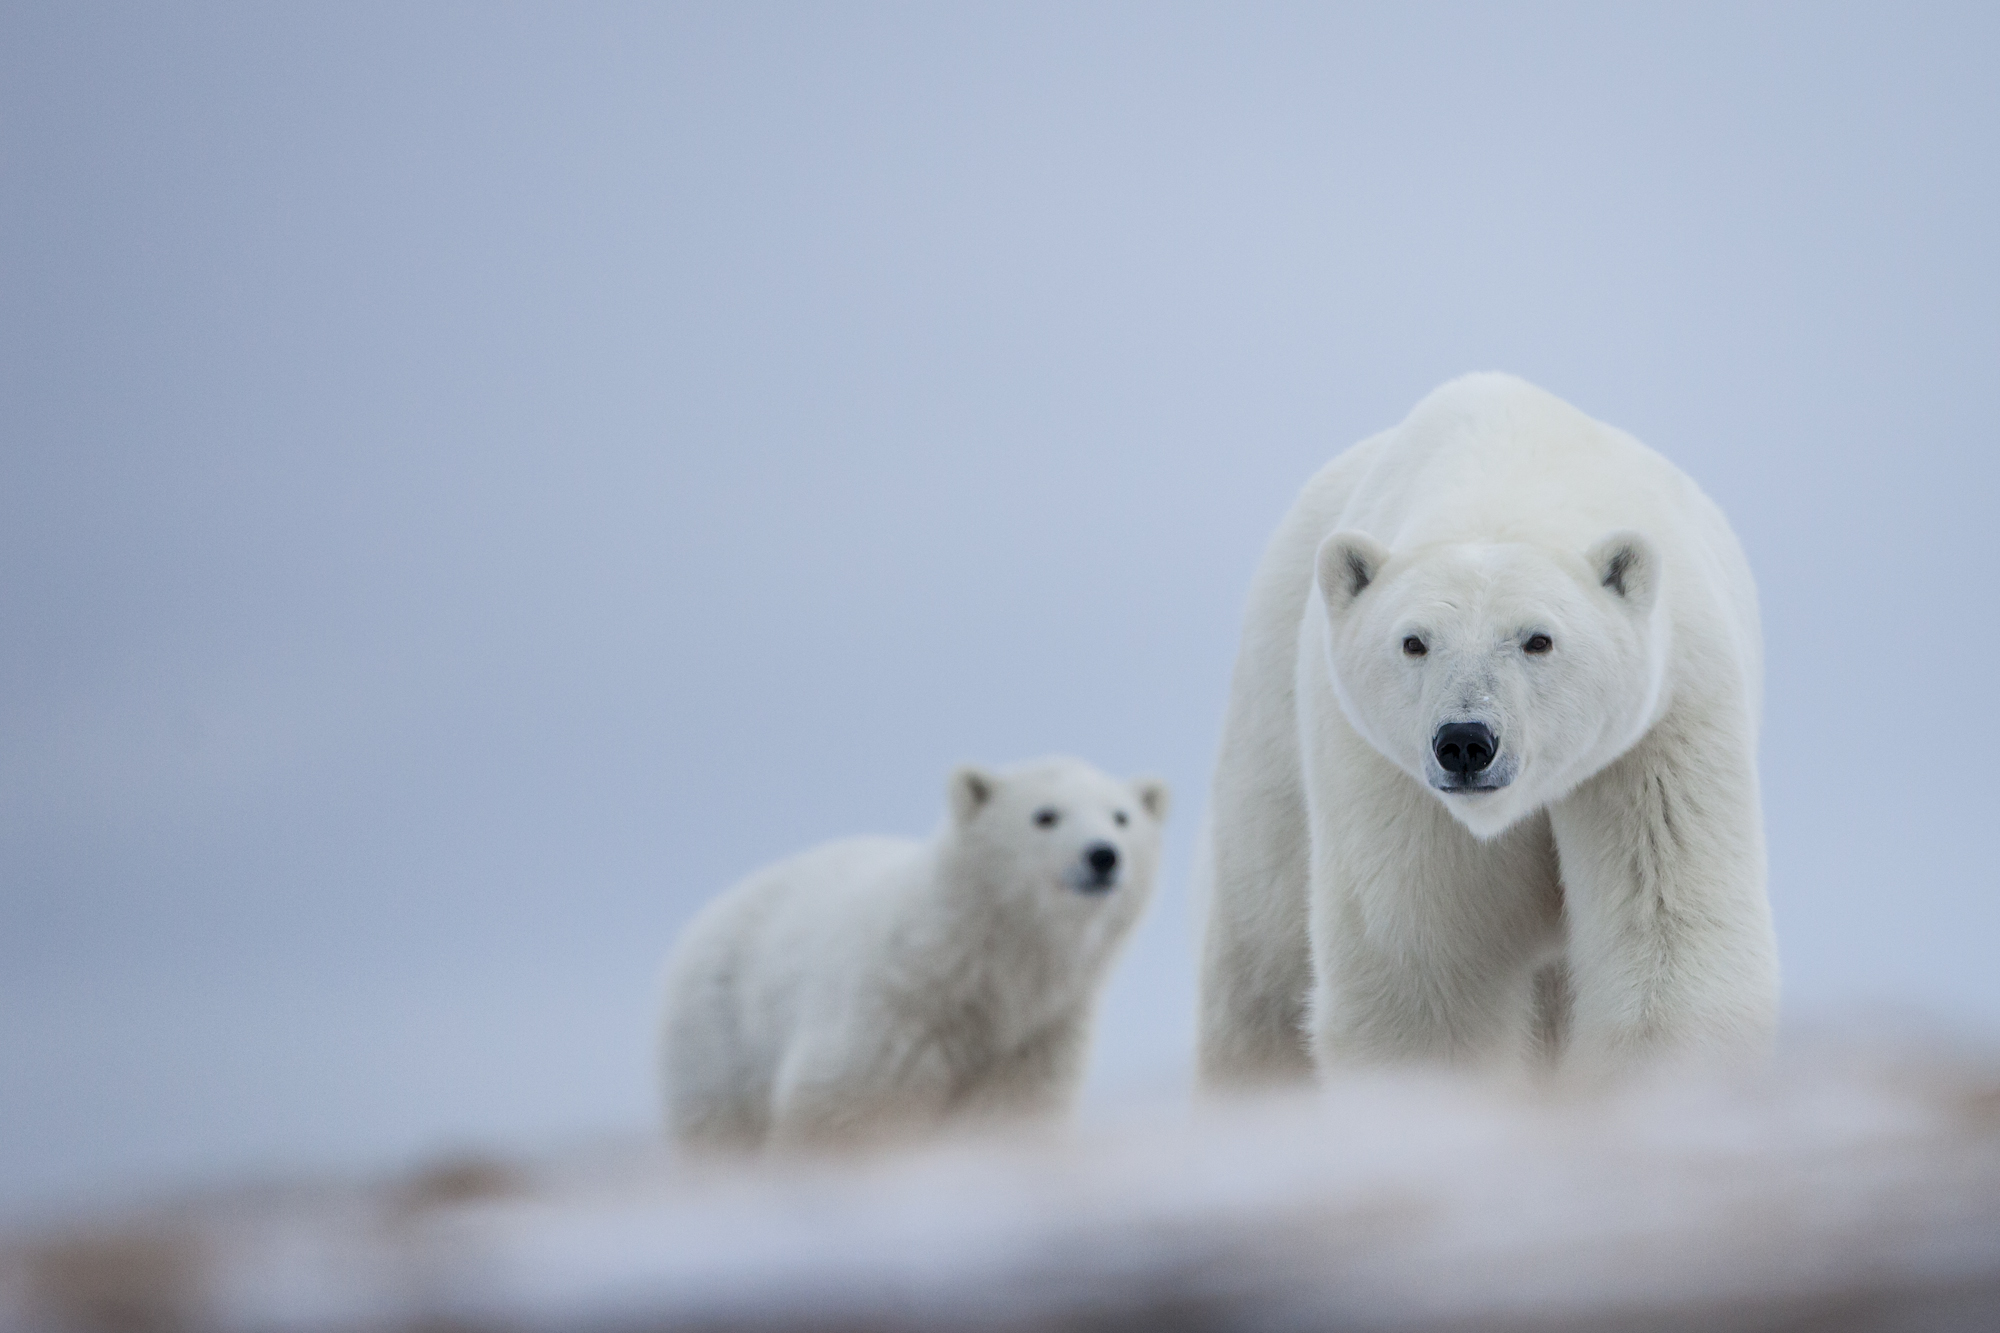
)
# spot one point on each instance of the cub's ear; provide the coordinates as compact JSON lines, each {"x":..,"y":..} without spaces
{"x":969,"y":788}
{"x":1348,"y":562}
{"x":1153,"y":795}
{"x":1627,"y":565}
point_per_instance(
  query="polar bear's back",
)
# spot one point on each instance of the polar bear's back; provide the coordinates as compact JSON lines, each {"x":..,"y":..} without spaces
{"x":1492,"y":458}
{"x":776,"y":946}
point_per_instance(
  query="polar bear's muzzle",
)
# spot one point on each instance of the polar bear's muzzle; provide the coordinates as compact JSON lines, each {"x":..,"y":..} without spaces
{"x":1466,"y":753}
{"x":1097,"y":868}
{"x":1465,"y":749}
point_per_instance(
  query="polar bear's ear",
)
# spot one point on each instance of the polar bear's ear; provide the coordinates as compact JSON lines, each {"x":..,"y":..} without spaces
{"x":1348,"y":562}
{"x":1627,"y":564}
{"x":969,"y":788}
{"x":1153,"y":795}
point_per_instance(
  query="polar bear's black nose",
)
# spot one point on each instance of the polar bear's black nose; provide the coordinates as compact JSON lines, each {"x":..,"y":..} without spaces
{"x":1102,"y":858}
{"x":1464,"y":747}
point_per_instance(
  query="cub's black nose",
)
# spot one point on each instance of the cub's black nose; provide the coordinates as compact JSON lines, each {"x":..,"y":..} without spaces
{"x":1102,"y":858}
{"x":1464,"y":747}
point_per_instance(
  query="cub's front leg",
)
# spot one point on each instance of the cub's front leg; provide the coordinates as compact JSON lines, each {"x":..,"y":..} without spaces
{"x":1670,"y":943}
{"x":1040,"y":1077}
{"x":833,"y":1090}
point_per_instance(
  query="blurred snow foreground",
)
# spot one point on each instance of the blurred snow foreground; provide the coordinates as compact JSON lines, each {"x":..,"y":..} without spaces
{"x":1852,"y":1186}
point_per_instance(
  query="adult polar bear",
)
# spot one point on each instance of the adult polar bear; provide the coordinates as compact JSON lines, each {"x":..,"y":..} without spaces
{"x":1487,"y":791}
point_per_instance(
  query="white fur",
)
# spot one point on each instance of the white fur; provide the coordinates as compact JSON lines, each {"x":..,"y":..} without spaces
{"x":879,"y":984}
{"x":1603,"y":906}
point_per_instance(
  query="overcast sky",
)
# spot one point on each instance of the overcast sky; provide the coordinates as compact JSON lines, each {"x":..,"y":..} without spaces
{"x":475,"y":480}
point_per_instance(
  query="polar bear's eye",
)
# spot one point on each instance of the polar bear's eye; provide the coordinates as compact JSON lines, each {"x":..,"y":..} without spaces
{"x":1414,"y":646}
{"x":1538,"y":643}
{"x":1046,"y":817}
{"x":1120,"y":819}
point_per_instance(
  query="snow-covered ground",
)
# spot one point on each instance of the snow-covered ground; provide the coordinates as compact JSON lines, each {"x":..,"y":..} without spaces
{"x":1856,"y":1185}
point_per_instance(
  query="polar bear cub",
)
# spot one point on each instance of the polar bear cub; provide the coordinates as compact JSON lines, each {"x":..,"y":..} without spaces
{"x":879,"y":984}
{"x":1487,"y":791}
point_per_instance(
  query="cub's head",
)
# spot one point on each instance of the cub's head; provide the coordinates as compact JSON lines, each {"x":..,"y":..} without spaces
{"x":1498,"y":675}
{"x":1059,"y":831}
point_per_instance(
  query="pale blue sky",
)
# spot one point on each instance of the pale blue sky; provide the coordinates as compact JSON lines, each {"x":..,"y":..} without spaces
{"x":475,"y":480}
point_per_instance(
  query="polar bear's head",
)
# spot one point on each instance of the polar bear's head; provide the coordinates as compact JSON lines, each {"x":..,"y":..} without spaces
{"x":1498,"y":675}
{"x":1059,"y":832}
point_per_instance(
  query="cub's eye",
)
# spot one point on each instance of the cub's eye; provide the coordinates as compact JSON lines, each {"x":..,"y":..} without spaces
{"x":1414,"y":647}
{"x":1120,"y":819}
{"x":1538,"y":643}
{"x":1046,"y":817}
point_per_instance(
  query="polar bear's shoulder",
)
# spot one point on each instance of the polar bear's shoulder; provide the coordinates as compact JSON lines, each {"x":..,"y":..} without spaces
{"x":849,"y":859}
{"x":828,"y":881}
{"x":835,"y":877}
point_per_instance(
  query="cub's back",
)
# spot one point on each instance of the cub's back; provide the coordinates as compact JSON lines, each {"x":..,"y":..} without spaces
{"x":752,"y":963}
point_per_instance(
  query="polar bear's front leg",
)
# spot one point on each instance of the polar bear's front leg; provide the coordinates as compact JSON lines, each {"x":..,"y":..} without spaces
{"x":1662,"y":855}
{"x":1041,"y":1077}
{"x":1256,"y":969}
{"x":828,"y":1094}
